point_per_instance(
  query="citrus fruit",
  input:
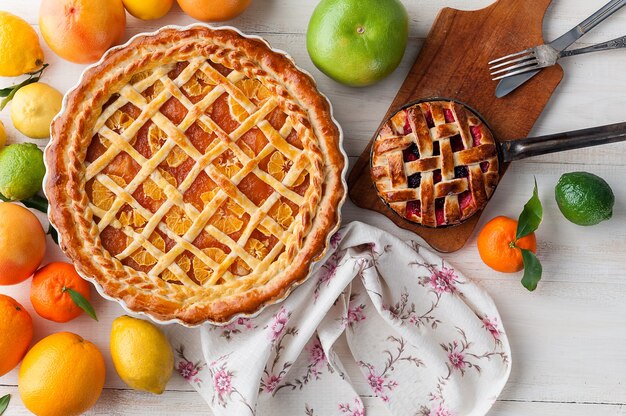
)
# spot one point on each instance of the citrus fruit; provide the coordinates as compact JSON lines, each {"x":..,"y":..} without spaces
{"x":33,"y":108}
{"x":62,"y":375}
{"x":16,"y":327}
{"x":21,"y":171}
{"x":20,"y":51}
{"x":148,"y":9}
{"x":82,"y":30}
{"x":142,"y":356}
{"x":214,"y":10}
{"x":3,"y":135}
{"x":22,"y":244}
{"x":584,"y":198}
{"x":49,"y":292}
{"x":497,"y":246}
{"x":358,"y":42}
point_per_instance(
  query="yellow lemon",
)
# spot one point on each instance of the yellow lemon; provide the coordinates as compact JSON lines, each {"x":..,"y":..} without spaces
{"x":148,"y":9}
{"x":33,"y":108}
{"x":20,"y":51}
{"x":3,"y":135}
{"x":142,"y":356}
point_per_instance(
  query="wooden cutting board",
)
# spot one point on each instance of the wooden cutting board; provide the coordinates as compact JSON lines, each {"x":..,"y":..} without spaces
{"x":453,"y":64}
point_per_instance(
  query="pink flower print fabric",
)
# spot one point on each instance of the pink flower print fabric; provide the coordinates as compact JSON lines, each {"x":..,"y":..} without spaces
{"x":427,"y":340}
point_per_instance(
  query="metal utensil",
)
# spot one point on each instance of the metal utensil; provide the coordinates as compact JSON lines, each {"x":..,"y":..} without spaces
{"x":543,"y":56}
{"x":507,"y":85}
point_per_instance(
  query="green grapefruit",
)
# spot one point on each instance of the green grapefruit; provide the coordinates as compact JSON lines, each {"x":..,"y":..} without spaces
{"x":358,"y":42}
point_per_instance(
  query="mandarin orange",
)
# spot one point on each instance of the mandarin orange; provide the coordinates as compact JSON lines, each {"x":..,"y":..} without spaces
{"x":49,"y":292}
{"x":498,"y":248}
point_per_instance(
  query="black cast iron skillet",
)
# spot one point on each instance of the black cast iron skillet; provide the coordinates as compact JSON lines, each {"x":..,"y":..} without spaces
{"x":512,"y":150}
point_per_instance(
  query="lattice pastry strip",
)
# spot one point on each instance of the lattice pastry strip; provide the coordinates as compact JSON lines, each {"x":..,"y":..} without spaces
{"x":195,"y":113}
{"x":435,"y":163}
{"x":140,"y":208}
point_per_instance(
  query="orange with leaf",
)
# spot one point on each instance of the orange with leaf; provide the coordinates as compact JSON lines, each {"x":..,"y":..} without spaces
{"x":509,"y":246}
{"x":59,"y":294}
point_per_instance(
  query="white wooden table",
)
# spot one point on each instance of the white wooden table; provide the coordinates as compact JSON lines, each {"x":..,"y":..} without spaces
{"x":568,"y":338}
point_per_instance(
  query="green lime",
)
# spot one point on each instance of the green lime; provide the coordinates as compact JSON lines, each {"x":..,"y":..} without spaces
{"x":21,"y":171}
{"x":358,"y":42}
{"x":584,"y":198}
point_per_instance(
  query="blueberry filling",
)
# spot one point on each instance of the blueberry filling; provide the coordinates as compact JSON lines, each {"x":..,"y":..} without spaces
{"x":439,"y":210}
{"x":437,"y":176}
{"x":461,"y":172}
{"x":436,"y":149}
{"x":411,"y":153}
{"x":415,"y":180}
{"x":456,"y":143}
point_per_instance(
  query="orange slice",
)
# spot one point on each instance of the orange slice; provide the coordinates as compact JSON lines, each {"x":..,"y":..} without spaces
{"x":101,"y":196}
{"x":203,"y":272}
{"x":119,"y":122}
{"x":228,"y":164}
{"x":282,"y":214}
{"x":256,"y":248}
{"x":143,"y":258}
{"x":177,"y":221}
{"x":151,"y":93}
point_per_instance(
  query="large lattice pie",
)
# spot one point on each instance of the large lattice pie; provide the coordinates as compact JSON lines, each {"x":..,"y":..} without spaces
{"x":435,"y":163}
{"x":195,"y":174}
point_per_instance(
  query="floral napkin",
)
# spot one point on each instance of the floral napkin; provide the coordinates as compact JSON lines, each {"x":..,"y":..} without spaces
{"x":428,"y":341}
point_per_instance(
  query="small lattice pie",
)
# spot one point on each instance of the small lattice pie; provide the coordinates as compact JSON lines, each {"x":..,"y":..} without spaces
{"x":195,"y":174}
{"x":435,"y":163}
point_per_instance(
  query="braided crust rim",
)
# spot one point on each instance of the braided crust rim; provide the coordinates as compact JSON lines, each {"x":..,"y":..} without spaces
{"x":69,"y":205}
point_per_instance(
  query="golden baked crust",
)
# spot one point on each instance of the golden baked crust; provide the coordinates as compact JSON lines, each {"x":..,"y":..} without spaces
{"x":435,"y":163}
{"x":195,"y":174}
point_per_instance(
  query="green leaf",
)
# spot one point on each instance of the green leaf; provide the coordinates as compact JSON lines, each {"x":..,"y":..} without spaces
{"x":53,"y":234}
{"x":532,"y":270}
{"x":4,"y":403}
{"x":36,"y":202}
{"x":81,"y":302}
{"x":5,"y":91}
{"x":531,"y":216}
{"x":9,"y":92}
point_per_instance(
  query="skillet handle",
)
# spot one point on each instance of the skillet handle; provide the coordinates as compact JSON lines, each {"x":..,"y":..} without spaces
{"x":536,"y":146}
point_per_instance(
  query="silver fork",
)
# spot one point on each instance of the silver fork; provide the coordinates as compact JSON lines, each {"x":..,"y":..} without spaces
{"x":532,"y":59}
{"x":543,"y":56}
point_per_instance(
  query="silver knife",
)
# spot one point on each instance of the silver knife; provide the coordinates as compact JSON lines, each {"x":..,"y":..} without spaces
{"x":507,"y":85}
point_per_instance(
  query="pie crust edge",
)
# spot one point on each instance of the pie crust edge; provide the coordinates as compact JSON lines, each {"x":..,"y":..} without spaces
{"x":78,"y":233}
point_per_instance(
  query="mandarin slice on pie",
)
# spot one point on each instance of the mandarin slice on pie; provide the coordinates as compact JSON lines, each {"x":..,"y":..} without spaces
{"x":195,"y":174}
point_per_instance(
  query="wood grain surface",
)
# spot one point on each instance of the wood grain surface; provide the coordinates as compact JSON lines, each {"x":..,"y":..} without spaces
{"x":453,"y":64}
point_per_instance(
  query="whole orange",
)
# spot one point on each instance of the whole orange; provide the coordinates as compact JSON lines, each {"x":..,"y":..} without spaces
{"x":497,"y":246}
{"x":49,"y":295}
{"x":214,"y":10}
{"x":16,"y":327}
{"x":62,"y":375}
{"x":22,"y":243}
{"x":82,"y":30}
